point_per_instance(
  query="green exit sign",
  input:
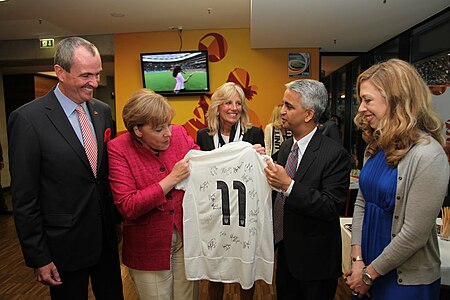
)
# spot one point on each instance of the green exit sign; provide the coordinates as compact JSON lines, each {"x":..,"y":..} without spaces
{"x":47,"y":43}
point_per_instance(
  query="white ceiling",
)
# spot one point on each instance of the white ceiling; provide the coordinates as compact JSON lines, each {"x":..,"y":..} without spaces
{"x":332,"y":25}
{"x":336,"y":25}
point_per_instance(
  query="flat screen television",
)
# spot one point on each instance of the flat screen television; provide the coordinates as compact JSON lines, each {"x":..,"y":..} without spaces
{"x":158,"y":72}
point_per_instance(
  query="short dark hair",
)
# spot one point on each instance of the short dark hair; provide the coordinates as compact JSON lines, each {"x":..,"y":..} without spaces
{"x":66,"y":48}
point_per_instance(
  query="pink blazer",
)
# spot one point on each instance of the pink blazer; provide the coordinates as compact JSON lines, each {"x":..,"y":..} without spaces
{"x":148,"y":215}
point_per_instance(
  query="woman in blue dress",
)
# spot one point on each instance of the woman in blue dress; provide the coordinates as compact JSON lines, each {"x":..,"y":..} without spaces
{"x":403,"y":183}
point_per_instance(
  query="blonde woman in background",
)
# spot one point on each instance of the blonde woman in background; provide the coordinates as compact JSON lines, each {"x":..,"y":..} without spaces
{"x":228,"y":120}
{"x":275,"y":134}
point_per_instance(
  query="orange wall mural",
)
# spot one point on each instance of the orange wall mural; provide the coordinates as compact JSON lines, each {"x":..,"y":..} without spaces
{"x":261,"y":72}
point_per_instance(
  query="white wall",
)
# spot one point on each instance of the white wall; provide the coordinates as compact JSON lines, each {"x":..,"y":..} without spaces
{"x":442,"y":105}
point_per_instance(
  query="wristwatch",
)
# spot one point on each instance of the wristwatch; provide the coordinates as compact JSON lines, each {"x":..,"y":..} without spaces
{"x":366,"y":278}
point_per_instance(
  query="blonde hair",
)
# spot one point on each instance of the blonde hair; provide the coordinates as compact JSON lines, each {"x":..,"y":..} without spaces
{"x":146,"y":107}
{"x":275,"y":118}
{"x":409,"y":118}
{"x":220,"y":96}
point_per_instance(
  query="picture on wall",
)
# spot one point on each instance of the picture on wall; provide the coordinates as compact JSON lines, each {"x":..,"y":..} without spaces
{"x":299,"y":64}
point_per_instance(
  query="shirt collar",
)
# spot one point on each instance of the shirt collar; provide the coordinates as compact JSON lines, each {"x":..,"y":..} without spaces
{"x":304,"y":141}
{"x":67,"y":105}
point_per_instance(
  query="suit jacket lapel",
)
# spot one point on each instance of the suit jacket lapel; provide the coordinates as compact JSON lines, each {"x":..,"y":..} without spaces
{"x":285,"y":149}
{"x":56,"y":115}
{"x":309,"y":156}
{"x":97,"y":121}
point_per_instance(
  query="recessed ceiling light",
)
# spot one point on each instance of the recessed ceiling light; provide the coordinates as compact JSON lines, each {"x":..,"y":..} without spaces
{"x":117,"y":15}
{"x":3,"y":1}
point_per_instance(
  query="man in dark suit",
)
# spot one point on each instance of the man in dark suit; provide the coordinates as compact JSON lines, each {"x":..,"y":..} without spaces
{"x":331,"y":129}
{"x":306,"y":211}
{"x":63,"y":210}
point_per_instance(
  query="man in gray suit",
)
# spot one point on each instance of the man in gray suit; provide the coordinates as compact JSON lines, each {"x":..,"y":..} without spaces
{"x":63,"y":209}
{"x":314,"y":189}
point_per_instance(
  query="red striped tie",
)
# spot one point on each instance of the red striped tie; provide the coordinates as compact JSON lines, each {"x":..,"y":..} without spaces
{"x":278,"y":207}
{"x":90,"y":144}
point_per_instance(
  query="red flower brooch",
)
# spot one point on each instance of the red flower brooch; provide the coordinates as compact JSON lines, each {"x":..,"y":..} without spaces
{"x":107,"y":135}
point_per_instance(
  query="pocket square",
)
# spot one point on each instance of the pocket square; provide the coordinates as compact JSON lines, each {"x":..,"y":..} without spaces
{"x":107,"y":135}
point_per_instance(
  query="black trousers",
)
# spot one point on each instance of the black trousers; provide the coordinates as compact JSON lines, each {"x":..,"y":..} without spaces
{"x":106,"y":279}
{"x":290,"y":288}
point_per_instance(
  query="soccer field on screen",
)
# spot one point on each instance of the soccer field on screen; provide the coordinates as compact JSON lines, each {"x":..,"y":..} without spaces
{"x":165,"y":82}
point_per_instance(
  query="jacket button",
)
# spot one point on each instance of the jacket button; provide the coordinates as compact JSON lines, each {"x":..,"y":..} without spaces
{"x":396,"y":217}
{"x":400,"y":280}
{"x":398,"y":197}
{"x":162,"y":169}
{"x":171,"y":211}
{"x":169,"y":197}
{"x":393,"y":235}
{"x":400,"y":178}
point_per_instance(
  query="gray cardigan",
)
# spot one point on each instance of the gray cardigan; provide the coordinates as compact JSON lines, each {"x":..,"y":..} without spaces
{"x":422,"y":182}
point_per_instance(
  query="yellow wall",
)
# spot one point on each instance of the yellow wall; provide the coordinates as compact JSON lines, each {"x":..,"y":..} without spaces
{"x":267,"y":69}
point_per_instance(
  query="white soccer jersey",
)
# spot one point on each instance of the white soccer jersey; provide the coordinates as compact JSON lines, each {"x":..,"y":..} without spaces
{"x":227,"y":207}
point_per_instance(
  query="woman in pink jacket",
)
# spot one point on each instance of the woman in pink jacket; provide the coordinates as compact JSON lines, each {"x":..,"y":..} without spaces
{"x":145,"y":165}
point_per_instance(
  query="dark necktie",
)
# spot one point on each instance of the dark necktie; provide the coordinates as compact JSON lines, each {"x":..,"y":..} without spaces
{"x":90,"y":144}
{"x":278,"y":208}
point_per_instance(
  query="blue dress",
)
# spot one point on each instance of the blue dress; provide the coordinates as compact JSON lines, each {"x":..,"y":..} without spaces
{"x":378,"y":184}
